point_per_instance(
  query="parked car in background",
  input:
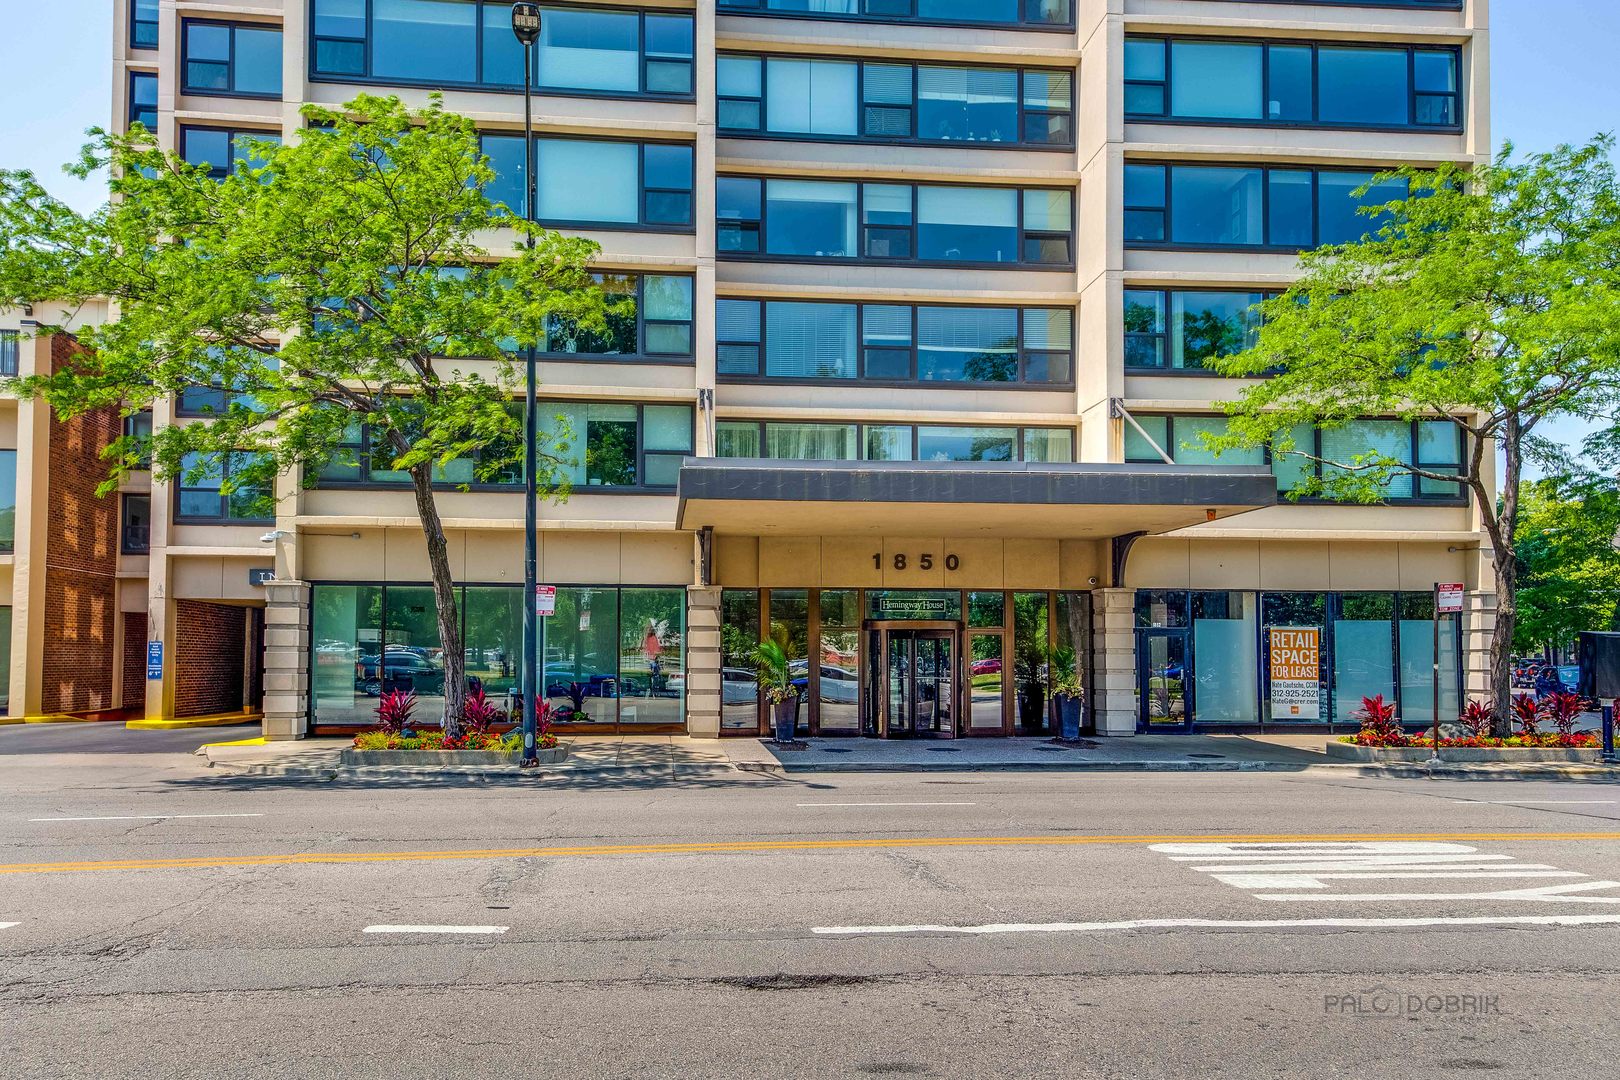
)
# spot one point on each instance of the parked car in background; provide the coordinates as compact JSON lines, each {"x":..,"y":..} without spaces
{"x":738,"y":686}
{"x":986,"y":667}
{"x":398,"y":669}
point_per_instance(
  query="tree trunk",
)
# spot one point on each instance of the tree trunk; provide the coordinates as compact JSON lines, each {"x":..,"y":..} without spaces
{"x":1504,"y":558}
{"x":444,"y":599}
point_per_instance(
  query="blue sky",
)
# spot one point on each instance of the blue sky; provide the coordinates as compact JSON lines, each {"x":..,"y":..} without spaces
{"x":1555,"y":79}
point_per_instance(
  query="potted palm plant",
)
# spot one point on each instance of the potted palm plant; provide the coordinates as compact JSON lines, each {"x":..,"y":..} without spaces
{"x":776,"y":683}
{"x":1064,"y":674}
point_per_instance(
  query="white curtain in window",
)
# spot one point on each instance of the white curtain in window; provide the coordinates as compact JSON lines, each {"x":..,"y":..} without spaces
{"x":810,"y":442}
{"x":584,"y":180}
{"x":590,"y":50}
{"x":1215,"y":79}
{"x":994,"y":207}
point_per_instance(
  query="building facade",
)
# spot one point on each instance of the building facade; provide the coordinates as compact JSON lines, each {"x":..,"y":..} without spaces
{"x":924,"y":291}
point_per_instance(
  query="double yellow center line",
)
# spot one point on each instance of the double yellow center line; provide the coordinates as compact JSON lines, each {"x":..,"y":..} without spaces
{"x":748,"y":847}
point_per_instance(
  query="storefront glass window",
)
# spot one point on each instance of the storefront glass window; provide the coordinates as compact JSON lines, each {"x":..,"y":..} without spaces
{"x":1224,"y":652}
{"x":790,"y":628}
{"x":1305,"y":611}
{"x":986,"y":679}
{"x":581,"y":639}
{"x":346,"y":625}
{"x":1417,"y":662}
{"x":652,"y":629}
{"x":1031,"y":631}
{"x":5,"y":651}
{"x":985,"y":609}
{"x":739,"y":636}
{"x":1161,"y":608}
{"x":840,"y":680}
{"x":1363,"y":652}
{"x":494,"y":640}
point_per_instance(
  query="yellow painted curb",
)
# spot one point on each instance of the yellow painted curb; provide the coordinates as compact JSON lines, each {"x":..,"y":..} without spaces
{"x":260,"y":741}
{"x":217,"y":720}
{"x":55,"y":718}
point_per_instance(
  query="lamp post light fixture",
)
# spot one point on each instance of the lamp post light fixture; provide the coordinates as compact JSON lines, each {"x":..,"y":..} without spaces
{"x":526,"y":26}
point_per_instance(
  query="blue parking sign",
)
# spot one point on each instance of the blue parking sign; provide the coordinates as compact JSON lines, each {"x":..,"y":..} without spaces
{"x":154,"y":659}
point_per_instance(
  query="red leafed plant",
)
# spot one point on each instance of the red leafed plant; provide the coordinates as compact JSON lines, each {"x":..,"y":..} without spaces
{"x":1528,"y":714}
{"x":478,"y":713}
{"x":1476,"y":717}
{"x":394,"y":710}
{"x":1564,"y":710}
{"x":1379,"y":727}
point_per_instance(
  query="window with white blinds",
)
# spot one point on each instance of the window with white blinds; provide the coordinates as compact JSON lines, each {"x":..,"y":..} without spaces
{"x":810,"y":341}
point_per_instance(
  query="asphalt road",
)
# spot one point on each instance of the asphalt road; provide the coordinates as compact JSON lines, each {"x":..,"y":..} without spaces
{"x":940,"y":925}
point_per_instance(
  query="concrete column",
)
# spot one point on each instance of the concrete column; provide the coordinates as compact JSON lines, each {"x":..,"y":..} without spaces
{"x":286,"y":660}
{"x":703,"y":662}
{"x":1113,"y":615}
{"x":1479,"y":620}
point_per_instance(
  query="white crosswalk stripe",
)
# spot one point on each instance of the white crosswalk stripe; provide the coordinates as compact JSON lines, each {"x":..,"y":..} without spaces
{"x":1318,"y":871}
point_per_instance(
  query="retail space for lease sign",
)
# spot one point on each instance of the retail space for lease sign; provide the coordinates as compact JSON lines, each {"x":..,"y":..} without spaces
{"x":1296,"y":672}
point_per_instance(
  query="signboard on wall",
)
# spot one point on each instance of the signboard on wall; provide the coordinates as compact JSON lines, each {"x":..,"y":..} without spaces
{"x":154,"y":659}
{"x":1448,"y":598}
{"x":1296,"y":672}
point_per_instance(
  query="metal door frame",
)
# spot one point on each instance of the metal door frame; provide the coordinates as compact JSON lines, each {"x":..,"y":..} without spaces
{"x":947,"y":631}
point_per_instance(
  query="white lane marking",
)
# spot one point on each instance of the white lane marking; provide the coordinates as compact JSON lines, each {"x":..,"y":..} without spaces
{"x":807,"y":804}
{"x":1228,"y":924}
{"x":1310,"y":871}
{"x":144,"y":817}
{"x":8,"y":925}
{"x":386,"y":929}
{"x":1539,"y":802}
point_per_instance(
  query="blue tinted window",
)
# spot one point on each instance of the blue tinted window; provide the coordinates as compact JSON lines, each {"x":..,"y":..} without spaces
{"x":143,"y":98}
{"x":1290,"y":95}
{"x":220,"y":148}
{"x":424,"y":40}
{"x":963,"y":224}
{"x":590,"y":50}
{"x":1217,"y":80}
{"x":1363,"y":86}
{"x":595,"y":181}
{"x":227,"y":59}
{"x":1217,"y":206}
{"x":1290,"y":216}
{"x":1038,"y":13}
{"x":143,"y":24}
{"x":1339,"y":221}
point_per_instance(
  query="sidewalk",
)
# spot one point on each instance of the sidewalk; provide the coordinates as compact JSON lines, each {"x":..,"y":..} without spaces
{"x":681,"y":757}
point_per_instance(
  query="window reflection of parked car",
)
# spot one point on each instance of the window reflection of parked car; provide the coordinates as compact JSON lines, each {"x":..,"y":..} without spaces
{"x":400,"y":670}
{"x":738,"y":686}
{"x":986,"y":667}
{"x":838,"y":685}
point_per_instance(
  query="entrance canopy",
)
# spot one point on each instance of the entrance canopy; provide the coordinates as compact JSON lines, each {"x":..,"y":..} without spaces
{"x":754,"y":496}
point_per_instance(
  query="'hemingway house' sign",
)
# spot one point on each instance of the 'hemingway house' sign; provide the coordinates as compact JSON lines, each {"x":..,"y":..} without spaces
{"x":1296,"y":672}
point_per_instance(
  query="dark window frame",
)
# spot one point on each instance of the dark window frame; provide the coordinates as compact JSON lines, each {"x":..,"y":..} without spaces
{"x":1164,"y":336}
{"x":10,"y":352}
{"x":9,"y":546}
{"x":1022,"y":352}
{"x":223,"y":517}
{"x":1413,"y":94}
{"x":132,"y":113}
{"x":861,"y":426}
{"x":365,"y":76}
{"x":1265,"y":170}
{"x":756,"y":9}
{"x":1316,"y":467}
{"x":137,"y":38}
{"x":759,"y":227}
{"x":862,"y":105}
{"x":230,"y":65}
{"x":641,"y":225}
{"x":130,"y":542}
{"x":217,"y":171}
{"x":362,"y":456}
{"x":642,"y":355}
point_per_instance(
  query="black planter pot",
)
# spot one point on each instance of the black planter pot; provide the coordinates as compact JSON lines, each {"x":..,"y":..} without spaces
{"x":785,"y":717}
{"x":1066,"y":713}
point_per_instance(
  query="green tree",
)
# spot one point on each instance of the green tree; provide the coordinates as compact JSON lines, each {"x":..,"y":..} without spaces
{"x":357,"y":277}
{"x":1488,"y":299}
{"x":1569,"y":570}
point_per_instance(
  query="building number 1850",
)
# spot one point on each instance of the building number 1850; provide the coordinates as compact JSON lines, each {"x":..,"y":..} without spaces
{"x":925,"y":561}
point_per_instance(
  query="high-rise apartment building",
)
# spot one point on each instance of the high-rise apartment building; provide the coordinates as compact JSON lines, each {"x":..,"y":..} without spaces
{"x":925,"y":292}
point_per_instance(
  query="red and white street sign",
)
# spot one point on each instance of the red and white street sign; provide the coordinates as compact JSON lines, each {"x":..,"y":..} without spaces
{"x":545,"y":600}
{"x":1448,"y":599}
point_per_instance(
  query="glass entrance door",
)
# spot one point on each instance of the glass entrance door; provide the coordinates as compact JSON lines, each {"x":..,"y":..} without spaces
{"x":1164,"y":685}
{"x":921,"y":684}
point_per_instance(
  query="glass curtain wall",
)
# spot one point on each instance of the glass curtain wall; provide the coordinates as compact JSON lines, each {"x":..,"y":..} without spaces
{"x":739,"y":637}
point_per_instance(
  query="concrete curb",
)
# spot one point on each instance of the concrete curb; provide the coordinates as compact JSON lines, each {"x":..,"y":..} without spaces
{"x":328,"y":773}
{"x":213,"y":720}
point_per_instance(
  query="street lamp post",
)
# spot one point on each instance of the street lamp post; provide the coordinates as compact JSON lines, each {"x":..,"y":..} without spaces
{"x":526,"y":25}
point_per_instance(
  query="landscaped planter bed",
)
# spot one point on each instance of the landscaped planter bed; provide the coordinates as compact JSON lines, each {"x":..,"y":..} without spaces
{"x":431,"y":758}
{"x":1420,"y":754}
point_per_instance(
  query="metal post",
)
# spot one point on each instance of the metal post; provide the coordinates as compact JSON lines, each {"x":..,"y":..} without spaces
{"x":1609,"y":757}
{"x":1437,"y":671}
{"x":528,"y":33}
